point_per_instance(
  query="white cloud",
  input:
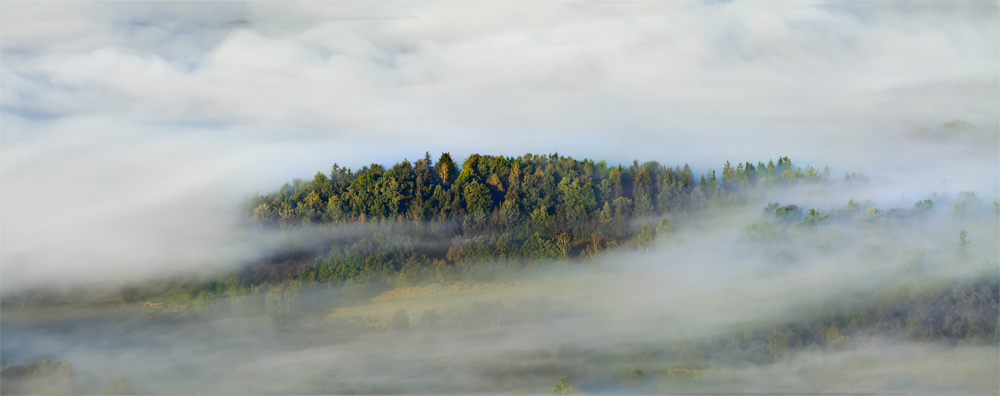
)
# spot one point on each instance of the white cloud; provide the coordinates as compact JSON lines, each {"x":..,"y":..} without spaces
{"x":200,"y":94}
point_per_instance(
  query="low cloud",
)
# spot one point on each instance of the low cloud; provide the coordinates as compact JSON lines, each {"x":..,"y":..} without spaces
{"x":132,"y":131}
{"x":601,"y":323}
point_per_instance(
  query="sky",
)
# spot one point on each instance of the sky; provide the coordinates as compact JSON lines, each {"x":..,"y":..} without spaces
{"x":130,"y":132}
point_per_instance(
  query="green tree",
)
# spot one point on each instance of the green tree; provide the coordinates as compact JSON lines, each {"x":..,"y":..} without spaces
{"x":445,"y":169}
{"x":263,"y":214}
{"x":665,"y":229}
{"x":646,"y":236}
{"x":787,"y":213}
{"x":921,"y":207}
{"x":611,"y":188}
{"x":642,"y":186}
{"x":477,"y":198}
{"x":963,"y":242}
{"x":670,"y":198}
{"x":812,"y":219}
{"x":563,"y":244}
{"x":510,"y":210}
{"x":578,"y":202}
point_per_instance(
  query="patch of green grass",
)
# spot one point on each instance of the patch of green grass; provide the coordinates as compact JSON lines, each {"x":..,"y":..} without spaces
{"x":453,"y":297}
{"x":173,"y":295}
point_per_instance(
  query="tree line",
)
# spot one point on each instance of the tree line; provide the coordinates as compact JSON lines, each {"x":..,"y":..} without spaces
{"x":495,"y":208}
{"x":555,"y":192}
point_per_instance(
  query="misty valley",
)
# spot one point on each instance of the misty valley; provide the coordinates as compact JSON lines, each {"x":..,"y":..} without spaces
{"x":546,"y":274}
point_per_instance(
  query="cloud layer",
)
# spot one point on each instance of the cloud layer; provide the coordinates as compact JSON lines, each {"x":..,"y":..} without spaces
{"x":131,"y":130}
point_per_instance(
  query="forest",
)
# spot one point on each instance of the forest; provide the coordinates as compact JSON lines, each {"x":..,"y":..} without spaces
{"x":497,"y":209}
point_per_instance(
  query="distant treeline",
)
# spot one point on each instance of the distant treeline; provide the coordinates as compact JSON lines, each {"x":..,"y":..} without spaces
{"x":558,"y":194}
{"x":928,"y":309}
{"x":786,"y":219}
{"x":434,"y":219}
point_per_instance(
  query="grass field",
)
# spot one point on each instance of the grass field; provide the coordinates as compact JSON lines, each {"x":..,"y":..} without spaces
{"x":451,"y":298}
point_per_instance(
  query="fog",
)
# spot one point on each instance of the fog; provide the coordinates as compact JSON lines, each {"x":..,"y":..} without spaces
{"x":131,"y":133}
{"x":595,"y":321}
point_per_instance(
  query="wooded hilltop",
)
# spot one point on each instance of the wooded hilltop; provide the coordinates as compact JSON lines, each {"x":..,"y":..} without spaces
{"x":497,"y":208}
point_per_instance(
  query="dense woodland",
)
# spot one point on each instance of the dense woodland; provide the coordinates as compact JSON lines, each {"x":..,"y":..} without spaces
{"x":558,"y":193}
{"x":435,"y":218}
{"x":550,"y":194}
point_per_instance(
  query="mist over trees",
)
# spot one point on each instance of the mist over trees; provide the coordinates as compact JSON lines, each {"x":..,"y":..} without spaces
{"x":549,"y":193}
{"x":136,"y":257}
{"x":358,"y":238}
{"x":497,"y":208}
{"x":436,"y":223}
